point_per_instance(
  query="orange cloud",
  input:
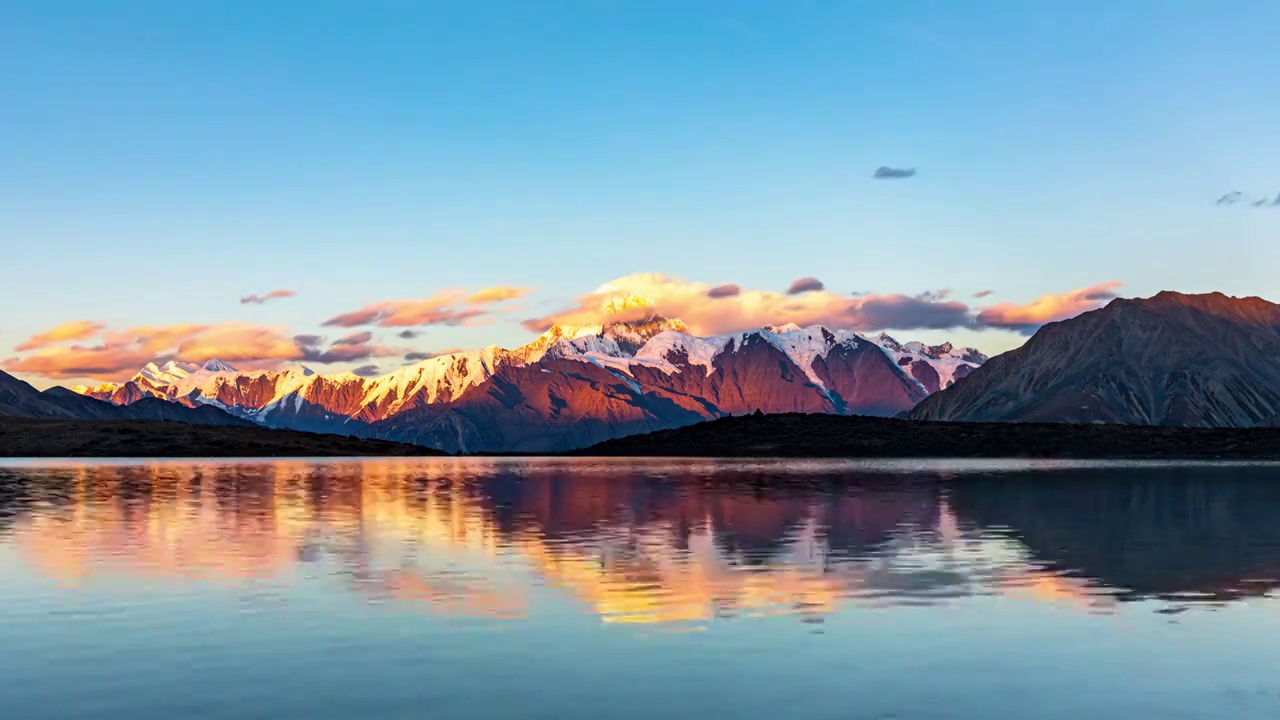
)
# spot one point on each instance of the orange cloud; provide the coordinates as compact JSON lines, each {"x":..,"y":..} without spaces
{"x":440,"y":309}
{"x":66,"y":332}
{"x":1047,"y":308}
{"x":121,"y":353}
{"x":496,"y":294}
{"x":260,"y":299}
{"x":709,"y":310}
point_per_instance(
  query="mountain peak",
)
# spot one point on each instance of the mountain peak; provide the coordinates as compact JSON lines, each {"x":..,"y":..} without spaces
{"x":216,"y":365}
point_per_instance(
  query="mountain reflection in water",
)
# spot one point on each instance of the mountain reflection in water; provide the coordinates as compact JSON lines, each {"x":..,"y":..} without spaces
{"x":658,"y":542}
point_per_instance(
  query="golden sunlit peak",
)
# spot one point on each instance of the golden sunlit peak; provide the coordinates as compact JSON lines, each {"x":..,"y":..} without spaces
{"x":621,"y":303}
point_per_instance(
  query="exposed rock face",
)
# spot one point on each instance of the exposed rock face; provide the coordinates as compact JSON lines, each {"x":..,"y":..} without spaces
{"x":573,"y":387}
{"x":1173,"y":359}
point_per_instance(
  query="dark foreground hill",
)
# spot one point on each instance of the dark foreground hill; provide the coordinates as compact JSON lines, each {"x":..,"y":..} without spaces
{"x":24,"y":437}
{"x":832,"y":436}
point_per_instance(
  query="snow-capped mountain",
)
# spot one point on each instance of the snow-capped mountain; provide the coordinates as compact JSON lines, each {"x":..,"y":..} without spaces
{"x":573,"y":386}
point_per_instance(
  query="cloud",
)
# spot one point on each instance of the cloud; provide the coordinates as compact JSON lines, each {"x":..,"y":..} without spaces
{"x":724,"y":291}
{"x":1261,"y":202}
{"x":367,"y":371}
{"x":260,"y":299}
{"x":408,"y":334}
{"x":889,"y":173}
{"x":1230,"y":198}
{"x":441,"y":309}
{"x":983,"y":293}
{"x":496,"y":294}
{"x":347,"y":349}
{"x":804,"y":285}
{"x":934,"y":295}
{"x":642,"y":294}
{"x":418,"y":356}
{"x":118,"y":354}
{"x":66,"y":332}
{"x":1276,"y":202}
{"x":1028,"y":318}
{"x":360,"y":338}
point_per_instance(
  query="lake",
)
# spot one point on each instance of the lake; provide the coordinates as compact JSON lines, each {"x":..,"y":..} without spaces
{"x":559,"y":589}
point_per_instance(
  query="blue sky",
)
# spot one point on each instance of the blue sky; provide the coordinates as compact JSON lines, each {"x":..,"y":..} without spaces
{"x":161,"y":160}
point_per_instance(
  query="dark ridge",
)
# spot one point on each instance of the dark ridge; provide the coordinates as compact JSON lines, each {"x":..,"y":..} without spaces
{"x":834,"y":436}
{"x":44,"y":438}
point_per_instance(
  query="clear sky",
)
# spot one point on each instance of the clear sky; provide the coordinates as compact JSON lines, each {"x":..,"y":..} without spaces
{"x":159,"y":161}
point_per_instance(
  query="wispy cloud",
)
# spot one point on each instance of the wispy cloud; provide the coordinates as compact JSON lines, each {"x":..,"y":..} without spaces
{"x":884,"y":172}
{"x":66,"y":332}
{"x":1030,"y":317}
{"x":367,"y":371}
{"x":490,"y":295}
{"x":983,"y":293}
{"x":260,"y":299}
{"x":360,"y":338}
{"x":440,"y":309}
{"x":935,"y":295}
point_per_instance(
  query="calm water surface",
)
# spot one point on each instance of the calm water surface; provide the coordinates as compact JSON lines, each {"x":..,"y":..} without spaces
{"x":615,"y":589}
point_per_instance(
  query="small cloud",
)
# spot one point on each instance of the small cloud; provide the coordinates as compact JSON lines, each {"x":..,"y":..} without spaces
{"x":418,"y":356}
{"x":260,"y":299}
{"x":1230,"y":198}
{"x":308,"y":340}
{"x":1276,"y":202}
{"x":490,"y":295}
{"x":885,"y":172}
{"x":934,"y":295}
{"x":804,"y":285}
{"x":359,"y":338}
{"x":860,"y":293}
{"x":724,"y":291}
{"x":408,"y":334}
{"x":1261,"y":202}
{"x":367,"y":371}
{"x":984,"y":293}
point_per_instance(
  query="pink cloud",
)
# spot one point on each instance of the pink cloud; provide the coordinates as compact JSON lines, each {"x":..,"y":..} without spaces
{"x":1047,"y":308}
{"x":260,"y":299}
{"x":440,"y":309}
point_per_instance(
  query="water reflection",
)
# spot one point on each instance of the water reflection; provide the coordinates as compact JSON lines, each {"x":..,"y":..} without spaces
{"x":654,"y":542}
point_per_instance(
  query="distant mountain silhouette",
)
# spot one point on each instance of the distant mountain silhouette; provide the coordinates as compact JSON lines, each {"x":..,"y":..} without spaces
{"x":20,"y":400}
{"x":1173,"y":359}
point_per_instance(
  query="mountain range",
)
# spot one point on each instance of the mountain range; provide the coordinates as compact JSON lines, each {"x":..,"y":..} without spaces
{"x":573,"y":386}
{"x":20,"y":400}
{"x":1170,"y":360}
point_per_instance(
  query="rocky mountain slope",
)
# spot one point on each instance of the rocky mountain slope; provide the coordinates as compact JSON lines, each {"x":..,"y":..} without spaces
{"x":572,"y":387}
{"x":1173,"y":359}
